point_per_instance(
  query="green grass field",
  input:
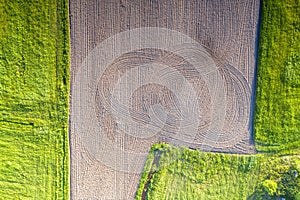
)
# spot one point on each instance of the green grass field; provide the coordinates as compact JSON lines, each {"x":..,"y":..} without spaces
{"x":34,"y":91}
{"x":181,"y":173}
{"x":277,"y":113}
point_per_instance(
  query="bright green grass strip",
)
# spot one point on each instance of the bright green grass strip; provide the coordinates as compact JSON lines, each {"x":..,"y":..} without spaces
{"x":34,"y":91}
{"x":277,"y":113}
{"x":182,"y":173}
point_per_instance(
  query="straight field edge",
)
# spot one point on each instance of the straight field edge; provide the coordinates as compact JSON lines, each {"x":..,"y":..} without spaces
{"x":63,"y":91}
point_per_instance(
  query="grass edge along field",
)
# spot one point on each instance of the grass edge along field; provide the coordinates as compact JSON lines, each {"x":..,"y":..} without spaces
{"x":180,"y":173}
{"x":277,"y":113}
{"x":34,"y":99}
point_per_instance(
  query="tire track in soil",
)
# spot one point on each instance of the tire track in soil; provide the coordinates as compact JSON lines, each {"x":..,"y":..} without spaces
{"x":227,"y":29}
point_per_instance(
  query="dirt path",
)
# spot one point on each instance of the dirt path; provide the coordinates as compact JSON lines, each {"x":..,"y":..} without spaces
{"x":156,"y":71}
{"x":157,"y":155}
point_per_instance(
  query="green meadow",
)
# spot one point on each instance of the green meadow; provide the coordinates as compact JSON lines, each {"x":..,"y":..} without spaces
{"x":34,"y":92}
{"x":277,"y":112}
{"x":181,"y":173}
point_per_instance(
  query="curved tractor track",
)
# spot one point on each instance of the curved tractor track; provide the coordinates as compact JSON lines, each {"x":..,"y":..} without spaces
{"x":152,"y":71}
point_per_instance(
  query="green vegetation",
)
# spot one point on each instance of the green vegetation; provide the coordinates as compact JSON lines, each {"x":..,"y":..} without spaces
{"x":34,"y":91}
{"x":277,"y":113}
{"x":181,"y":173}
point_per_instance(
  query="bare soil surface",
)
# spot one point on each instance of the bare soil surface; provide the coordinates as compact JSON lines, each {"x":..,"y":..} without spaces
{"x":141,"y":89}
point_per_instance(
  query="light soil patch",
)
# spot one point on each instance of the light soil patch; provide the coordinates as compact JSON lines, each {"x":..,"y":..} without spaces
{"x":144,"y":72}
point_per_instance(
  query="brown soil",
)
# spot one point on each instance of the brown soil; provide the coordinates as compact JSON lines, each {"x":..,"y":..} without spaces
{"x":226,"y":28}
